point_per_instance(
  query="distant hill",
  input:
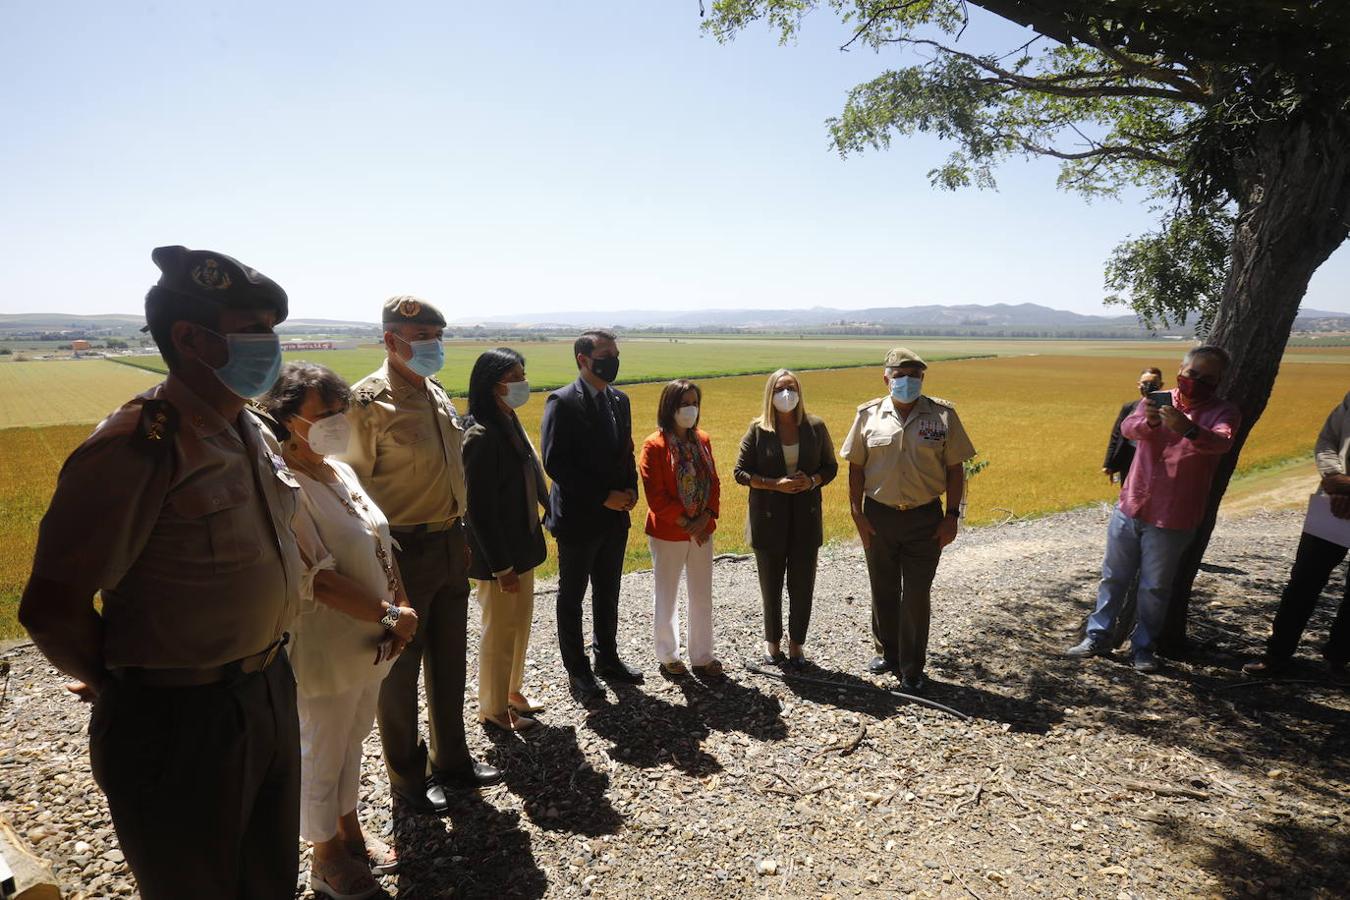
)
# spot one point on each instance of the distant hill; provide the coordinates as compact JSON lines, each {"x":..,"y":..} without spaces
{"x":966,"y":315}
{"x":971,"y":317}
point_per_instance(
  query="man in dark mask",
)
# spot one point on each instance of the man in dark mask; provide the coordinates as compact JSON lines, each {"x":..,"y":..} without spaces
{"x":587,"y":449}
{"x":1177,"y":449}
{"x":1119,"y":449}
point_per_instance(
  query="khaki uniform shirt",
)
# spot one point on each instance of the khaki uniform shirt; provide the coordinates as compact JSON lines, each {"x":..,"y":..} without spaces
{"x":406,"y":448}
{"x":905,"y":463}
{"x":183,"y":523}
{"x":1333,"y":444}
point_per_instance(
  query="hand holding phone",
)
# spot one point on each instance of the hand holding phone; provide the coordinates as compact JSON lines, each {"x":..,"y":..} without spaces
{"x":1161,"y":398}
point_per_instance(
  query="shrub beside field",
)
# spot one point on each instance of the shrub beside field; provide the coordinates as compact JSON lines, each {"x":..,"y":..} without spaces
{"x":1041,"y":422}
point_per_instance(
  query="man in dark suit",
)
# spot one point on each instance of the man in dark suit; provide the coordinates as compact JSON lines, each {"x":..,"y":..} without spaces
{"x":1119,"y":449}
{"x":587,"y":445}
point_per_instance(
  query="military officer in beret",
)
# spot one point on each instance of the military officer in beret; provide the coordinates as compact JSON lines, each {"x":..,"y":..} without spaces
{"x":177,"y":509}
{"x":904,"y":451}
{"x":406,"y":449}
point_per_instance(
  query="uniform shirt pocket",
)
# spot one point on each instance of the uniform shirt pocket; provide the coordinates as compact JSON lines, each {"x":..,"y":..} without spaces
{"x":879,"y":440}
{"x":216,"y":525}
{"x":403,"y":446}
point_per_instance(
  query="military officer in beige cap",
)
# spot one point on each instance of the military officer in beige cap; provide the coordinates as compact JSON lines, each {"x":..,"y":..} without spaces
{"x":406,"y":449}
{"x":905,"y":451}
{"x":178,"y":510}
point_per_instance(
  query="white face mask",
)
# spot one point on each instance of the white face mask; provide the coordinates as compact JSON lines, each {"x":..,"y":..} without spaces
{"x":328,"y":436}
{"x":686,"y":416}
{"x":517,"y":392}
{"x":786,"y":400}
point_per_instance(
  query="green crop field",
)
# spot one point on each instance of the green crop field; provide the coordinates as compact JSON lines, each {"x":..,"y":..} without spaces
{"x":1041,"y":421}
{"x":645,"y":359}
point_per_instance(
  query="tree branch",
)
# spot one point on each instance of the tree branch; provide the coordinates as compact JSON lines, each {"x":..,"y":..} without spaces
{"x":1153,"y":71}
{"x":1053,"y":85}
{"x":871,"y":20}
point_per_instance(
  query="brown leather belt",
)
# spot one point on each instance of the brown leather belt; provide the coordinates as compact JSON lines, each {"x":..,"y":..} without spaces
{"x":904,"y":507}
{"x":413,"y":531}
{"x":199,"y":677}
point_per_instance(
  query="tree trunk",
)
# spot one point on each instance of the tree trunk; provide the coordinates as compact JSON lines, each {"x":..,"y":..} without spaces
{"x":1293,"y":212}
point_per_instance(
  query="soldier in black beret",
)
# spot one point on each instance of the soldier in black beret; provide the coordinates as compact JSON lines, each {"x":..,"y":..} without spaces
{"x":178,"y":511}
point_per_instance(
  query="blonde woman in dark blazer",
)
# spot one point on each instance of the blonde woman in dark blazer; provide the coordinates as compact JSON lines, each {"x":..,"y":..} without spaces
{"x":786,"y":458}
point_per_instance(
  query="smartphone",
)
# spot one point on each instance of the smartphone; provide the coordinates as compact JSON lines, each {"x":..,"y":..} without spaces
{"x":1162,"y":398}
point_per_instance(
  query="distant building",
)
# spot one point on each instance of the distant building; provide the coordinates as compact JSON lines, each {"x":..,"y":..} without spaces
{"x":79,"y":346}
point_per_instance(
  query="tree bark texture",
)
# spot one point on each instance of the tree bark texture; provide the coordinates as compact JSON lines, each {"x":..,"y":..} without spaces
{"x":1293,"y":212}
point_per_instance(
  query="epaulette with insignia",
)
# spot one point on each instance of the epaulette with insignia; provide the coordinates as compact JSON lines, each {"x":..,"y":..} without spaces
{"x":279,"y":431}
{"x":366,"y":392}
{"x":862,"y":406}
{"x":940,"y":402}
{"x":157,"y":426}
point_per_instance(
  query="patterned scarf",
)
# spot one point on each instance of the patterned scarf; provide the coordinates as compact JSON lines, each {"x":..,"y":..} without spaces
{"x":693,"y":471}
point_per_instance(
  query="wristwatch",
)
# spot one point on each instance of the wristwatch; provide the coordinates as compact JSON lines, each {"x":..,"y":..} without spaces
{"x":391,"y":617}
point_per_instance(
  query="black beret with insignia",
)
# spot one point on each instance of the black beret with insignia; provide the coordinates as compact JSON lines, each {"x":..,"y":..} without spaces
{"x":408,"y":310}
{"x":216,"y":278}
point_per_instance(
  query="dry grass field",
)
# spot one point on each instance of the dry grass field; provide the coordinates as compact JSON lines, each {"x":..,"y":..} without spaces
{"x":1040,"y":421}
{"x":61,"y":392}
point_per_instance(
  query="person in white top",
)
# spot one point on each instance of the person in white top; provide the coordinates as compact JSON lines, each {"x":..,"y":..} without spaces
{"x":355,"y":620}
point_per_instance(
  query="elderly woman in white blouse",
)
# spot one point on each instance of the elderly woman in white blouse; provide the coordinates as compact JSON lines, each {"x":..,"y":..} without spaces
{"x":345,"y":641}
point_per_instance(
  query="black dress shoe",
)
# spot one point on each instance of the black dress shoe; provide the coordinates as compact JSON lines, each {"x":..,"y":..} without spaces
{"x":617,"y":670}
{"x":431,"y":802}
{"x":480,"y":774}
{"x":585,"y":689}
{"x":879,"y":665}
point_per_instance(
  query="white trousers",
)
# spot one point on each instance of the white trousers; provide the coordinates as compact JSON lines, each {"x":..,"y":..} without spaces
{"x":669,"y":560}
{"x":332,"y":729}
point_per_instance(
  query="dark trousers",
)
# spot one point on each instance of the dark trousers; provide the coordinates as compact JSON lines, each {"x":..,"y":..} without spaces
{"x":797,"y":565}
{"x":1315,"y":561}
{"x":597,"y":561}
{"x":204,"y":784}
{"x":901,"y":564}
{"x":435,"y":575}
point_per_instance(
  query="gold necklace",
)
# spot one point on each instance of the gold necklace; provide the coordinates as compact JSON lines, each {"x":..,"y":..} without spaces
{"x":339,"y":486}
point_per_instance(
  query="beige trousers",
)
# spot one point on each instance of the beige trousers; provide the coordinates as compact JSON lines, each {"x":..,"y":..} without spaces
{"x":506,"y":635}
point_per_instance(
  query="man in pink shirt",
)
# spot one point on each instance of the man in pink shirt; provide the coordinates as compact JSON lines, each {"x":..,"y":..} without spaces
{"x":1177,"y":448}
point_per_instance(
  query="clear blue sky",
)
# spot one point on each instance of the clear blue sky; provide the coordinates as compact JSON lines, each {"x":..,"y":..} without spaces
{"x":499,"y":157}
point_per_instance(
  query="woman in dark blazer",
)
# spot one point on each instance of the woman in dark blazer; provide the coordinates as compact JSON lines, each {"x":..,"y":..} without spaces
{"x":506,"y":494}
{"x":786,"y":458}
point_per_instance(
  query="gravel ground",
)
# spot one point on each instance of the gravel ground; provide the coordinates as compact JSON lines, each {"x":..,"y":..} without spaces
{"x":1068,"y":779}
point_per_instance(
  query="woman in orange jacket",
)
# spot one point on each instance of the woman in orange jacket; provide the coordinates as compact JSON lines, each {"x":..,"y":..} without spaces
{"x":679,"y":477}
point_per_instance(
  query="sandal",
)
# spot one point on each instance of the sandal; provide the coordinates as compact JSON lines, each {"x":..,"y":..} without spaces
{"x":344,"y":879}
{"x":375,"y":853}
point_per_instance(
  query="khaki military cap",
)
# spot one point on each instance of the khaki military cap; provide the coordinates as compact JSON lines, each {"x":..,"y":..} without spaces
{"x":903,"y":356}
{"x":408,"y":310}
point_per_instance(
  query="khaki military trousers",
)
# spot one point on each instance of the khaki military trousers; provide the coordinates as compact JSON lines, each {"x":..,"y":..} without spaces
{"x":901,"y":564}
{"x":435,"y":575}
{"x":506,"y":636}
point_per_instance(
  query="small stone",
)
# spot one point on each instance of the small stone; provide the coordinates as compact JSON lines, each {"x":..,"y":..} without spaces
{"x":767,"y":867}
{"x":1113,"y":870}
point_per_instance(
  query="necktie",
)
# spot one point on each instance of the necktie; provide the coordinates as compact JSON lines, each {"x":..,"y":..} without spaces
{"x":608,"y":409}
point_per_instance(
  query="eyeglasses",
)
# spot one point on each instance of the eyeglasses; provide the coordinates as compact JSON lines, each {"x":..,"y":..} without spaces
{"x":1211,"y":380}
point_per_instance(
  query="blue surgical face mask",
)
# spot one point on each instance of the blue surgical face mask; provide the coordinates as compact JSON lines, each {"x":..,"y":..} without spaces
{"x":906,"y":388}
{"x":253,"y":365}
{"x":428,"y":356}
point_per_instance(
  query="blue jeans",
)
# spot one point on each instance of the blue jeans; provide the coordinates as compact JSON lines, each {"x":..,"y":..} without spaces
{"x":1134,"y":547}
